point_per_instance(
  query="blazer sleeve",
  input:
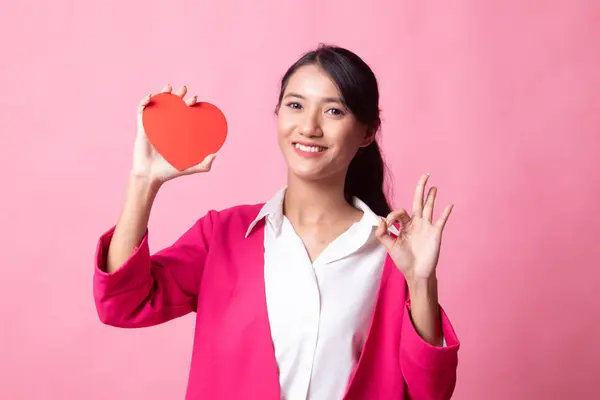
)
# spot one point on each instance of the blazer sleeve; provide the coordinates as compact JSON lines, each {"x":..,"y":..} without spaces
{"x":429,"y":371}
{"x":151,"y":289}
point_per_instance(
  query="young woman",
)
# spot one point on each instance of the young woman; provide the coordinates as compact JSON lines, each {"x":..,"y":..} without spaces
{"x":321,"y":293}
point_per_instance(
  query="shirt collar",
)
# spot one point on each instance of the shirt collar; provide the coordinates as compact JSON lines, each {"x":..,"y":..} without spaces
{"x":273,"y":212}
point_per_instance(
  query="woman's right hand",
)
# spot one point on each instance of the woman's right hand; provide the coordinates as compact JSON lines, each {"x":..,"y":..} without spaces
{"x":147,"y":162}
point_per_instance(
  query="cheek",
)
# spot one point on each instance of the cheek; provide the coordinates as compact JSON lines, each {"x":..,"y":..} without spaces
{"x":284,"y":125}
{"x":349,"y":142}
{"x":284,"y":132}
{"x":346,"y":155}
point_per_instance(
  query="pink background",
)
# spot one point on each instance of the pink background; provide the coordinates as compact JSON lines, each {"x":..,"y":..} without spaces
{"x":498,"y":100}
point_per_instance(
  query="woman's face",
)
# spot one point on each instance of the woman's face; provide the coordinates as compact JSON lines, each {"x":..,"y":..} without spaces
{"x":317,"y":134}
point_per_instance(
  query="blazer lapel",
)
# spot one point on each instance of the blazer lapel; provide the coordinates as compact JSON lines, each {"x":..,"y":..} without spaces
{"x":259,"y":358}
{"x":363,"y":370}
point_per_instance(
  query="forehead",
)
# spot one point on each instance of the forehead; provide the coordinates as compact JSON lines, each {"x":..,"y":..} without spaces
{"x":312,"y":81}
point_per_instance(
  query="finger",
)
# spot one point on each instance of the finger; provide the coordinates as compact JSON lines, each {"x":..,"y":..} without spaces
{"x":181,"y":92}
{"x":167,"y":89}
{"x":382,"y":234}
{"x":204,"y":166}
{"x":399,"y":215}
{"x":429,"y":203}
{"x":143,"y":103}
{"x":191,"y":101}
{"x":207,"y":163}
{"x":419,"y":193}
{"x":441,"y":222}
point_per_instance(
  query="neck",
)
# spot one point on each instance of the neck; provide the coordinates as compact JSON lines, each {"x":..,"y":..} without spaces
{"x":316,"y":202}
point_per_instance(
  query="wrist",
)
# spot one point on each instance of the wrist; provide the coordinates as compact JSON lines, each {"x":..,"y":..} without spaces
{"x":143,"y":187}
{"x":426,"y":287}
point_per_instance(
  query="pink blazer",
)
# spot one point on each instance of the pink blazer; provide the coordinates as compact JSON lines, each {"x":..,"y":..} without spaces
{"x":216,"y":272}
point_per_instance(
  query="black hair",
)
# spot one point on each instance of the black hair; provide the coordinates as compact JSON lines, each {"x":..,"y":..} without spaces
{"x":357,"y":84}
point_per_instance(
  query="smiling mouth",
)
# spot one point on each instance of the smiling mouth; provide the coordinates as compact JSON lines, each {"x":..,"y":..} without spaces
{"x":309,"y":149}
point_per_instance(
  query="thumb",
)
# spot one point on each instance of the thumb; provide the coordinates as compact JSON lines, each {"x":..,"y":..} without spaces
{"x":204,"y":166}
{"x":382,"y":234}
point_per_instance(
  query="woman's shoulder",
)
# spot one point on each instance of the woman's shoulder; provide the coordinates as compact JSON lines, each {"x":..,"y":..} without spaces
{"x":238,"y":216}
{"x":240,"y":211}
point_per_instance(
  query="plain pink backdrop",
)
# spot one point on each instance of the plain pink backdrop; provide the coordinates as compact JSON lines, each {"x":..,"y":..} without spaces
{"x":498,"y":100}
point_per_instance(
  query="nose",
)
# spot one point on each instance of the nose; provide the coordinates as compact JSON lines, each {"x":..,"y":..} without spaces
{"x":310,"y":126}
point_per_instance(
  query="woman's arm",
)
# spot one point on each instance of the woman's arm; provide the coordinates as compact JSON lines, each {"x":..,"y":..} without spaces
{"x":145,"y":289}
{"x":425,"y":311}
{"x":429,"y":371}
{"x":132,"y":288}
{"x":133,"y":221}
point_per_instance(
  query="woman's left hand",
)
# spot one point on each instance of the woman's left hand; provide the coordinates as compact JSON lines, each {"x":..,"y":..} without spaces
{"x":416,"y":249}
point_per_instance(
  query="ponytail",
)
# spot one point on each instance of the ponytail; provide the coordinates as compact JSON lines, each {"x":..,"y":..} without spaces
{"x":365,"y":179}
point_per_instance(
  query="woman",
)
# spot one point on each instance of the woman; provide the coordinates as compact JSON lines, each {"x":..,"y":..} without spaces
{"x":312,"y":295}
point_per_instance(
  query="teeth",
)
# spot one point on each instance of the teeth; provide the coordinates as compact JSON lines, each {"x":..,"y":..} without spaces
{"x":311,"y":149}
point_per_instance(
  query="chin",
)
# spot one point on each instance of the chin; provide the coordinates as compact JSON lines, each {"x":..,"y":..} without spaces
{"x":308,"y":174}
{"x":315,"y":172}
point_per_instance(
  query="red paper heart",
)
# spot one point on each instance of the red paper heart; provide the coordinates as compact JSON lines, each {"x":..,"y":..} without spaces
{"x":183,"y":135}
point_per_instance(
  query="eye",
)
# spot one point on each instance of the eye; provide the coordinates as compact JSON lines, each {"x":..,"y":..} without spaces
{"x":335,"y":111}
{"x":294,"y":105}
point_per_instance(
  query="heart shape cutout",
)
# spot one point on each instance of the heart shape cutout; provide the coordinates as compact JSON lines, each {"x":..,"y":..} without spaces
{"x":184,"y":135}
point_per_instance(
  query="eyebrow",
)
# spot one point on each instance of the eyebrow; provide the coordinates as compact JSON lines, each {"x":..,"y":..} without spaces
{"x":326,"y":99}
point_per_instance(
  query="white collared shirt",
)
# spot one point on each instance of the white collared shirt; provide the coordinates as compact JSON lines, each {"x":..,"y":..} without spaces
{"x":319,"y":312}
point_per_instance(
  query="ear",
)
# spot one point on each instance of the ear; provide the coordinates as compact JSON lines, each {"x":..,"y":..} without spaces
{"x":368,"y":138}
